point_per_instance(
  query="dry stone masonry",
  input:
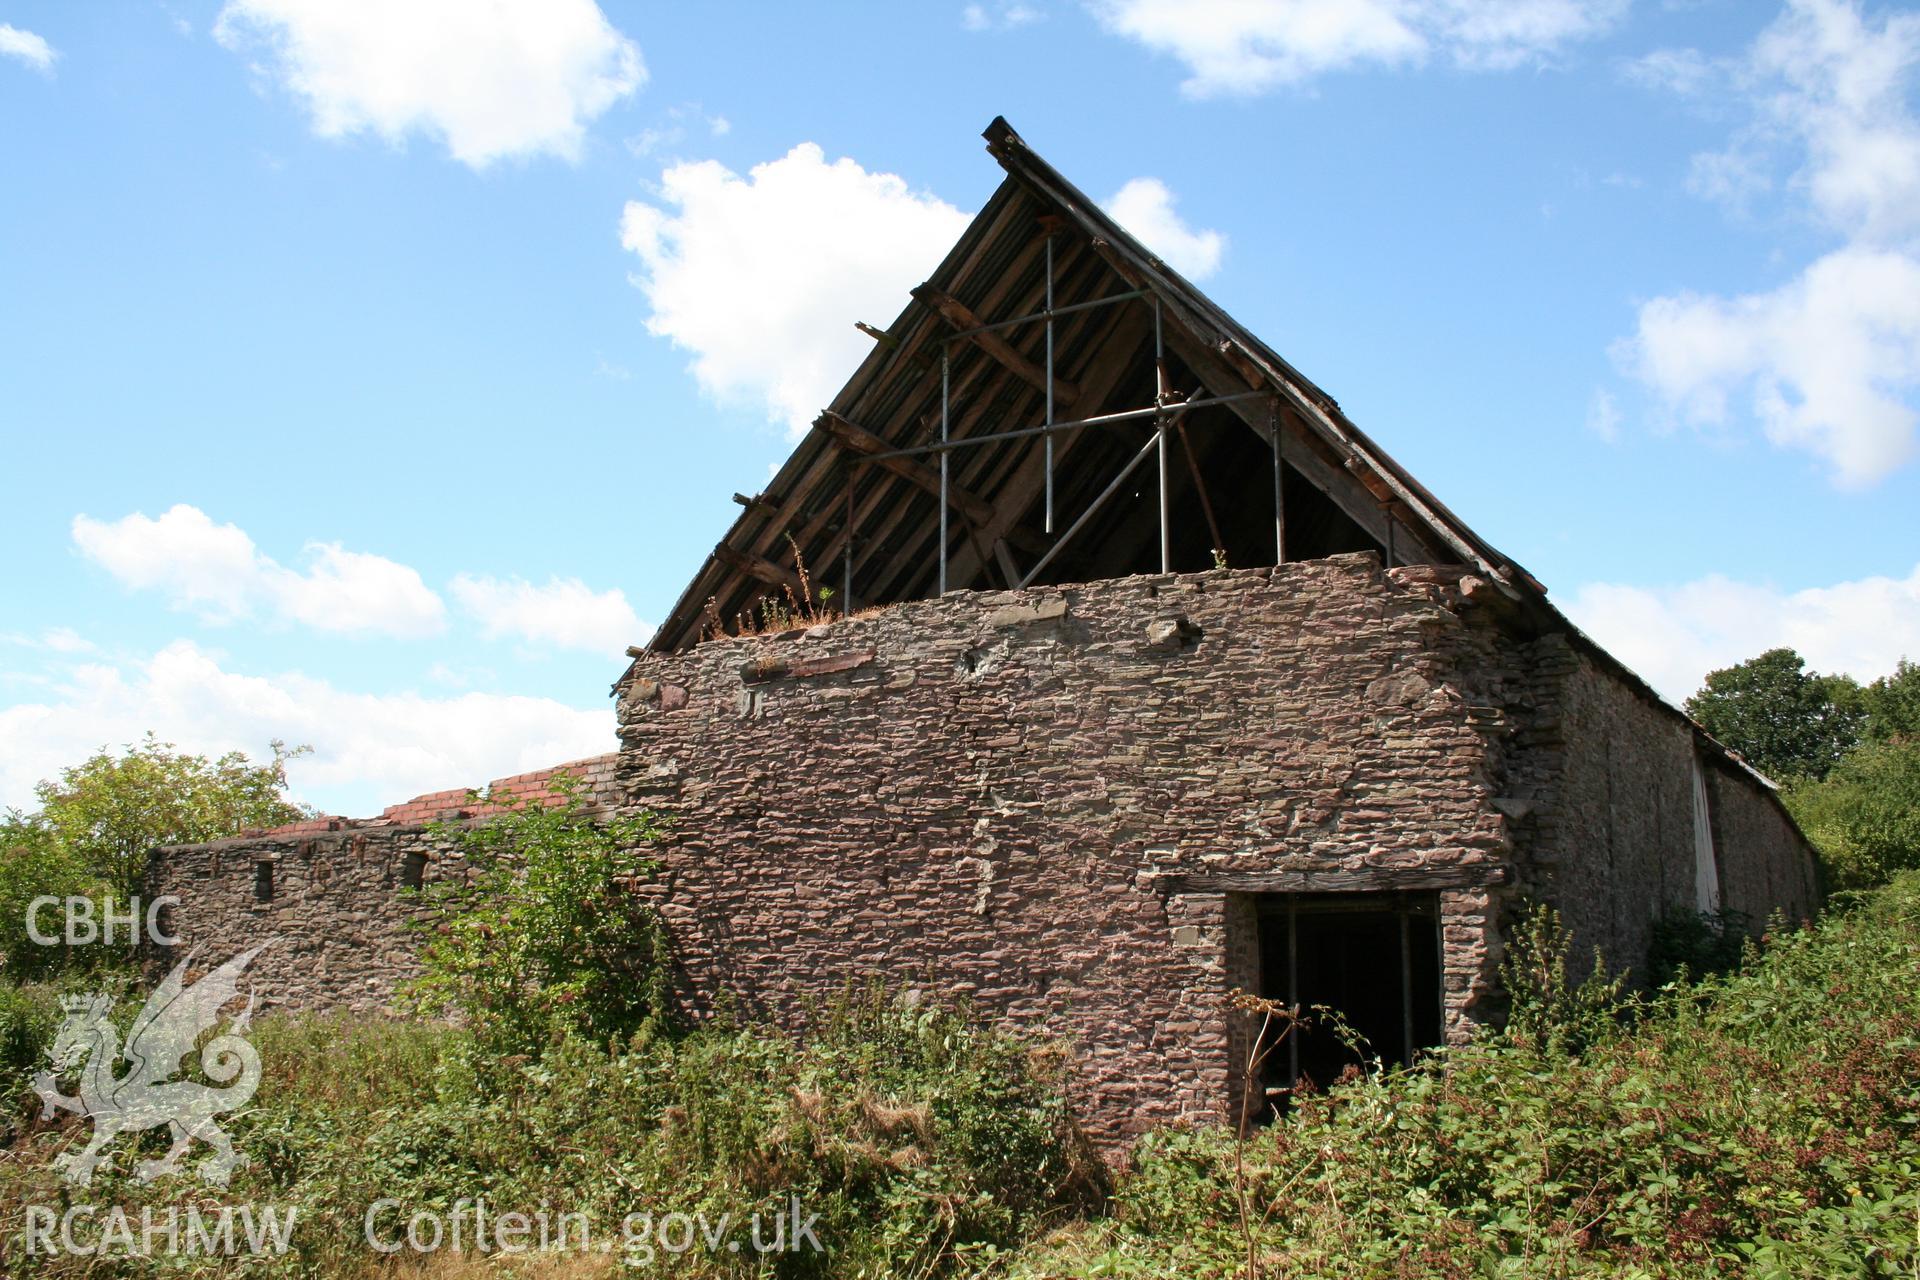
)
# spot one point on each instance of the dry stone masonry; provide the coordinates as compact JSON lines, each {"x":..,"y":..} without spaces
{"x":1064,"y":806}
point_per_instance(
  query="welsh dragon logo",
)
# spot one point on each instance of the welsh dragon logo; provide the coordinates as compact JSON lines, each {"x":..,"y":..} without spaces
{"x":147,"y":1095}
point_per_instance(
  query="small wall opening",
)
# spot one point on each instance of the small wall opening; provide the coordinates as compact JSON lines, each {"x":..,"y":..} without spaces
{"x":1374,"y":958}
{"x":263,"y":881}
{"x":413,"y":870}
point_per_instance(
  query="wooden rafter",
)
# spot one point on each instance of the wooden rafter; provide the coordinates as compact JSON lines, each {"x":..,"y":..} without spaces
{"x":758,"y":568}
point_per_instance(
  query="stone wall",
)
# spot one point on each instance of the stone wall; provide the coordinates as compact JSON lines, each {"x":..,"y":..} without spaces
{"x":336,"y":910}
{"x":1611,"y":843}
{"x":1060,"y":803}
{"x":1026,"y":799}
{"x":1764,"y":867}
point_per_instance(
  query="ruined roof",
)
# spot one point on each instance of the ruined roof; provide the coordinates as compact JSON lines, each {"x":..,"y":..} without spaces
{"x":849,"y":511}
{"x":1108,"y":293}
{"x":593,"y":778}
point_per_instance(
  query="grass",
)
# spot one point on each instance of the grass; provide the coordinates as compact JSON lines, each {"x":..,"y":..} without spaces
{"x":1766,"y":1123}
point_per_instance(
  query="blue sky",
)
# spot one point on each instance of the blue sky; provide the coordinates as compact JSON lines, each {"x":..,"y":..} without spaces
{"x":372,"y":374}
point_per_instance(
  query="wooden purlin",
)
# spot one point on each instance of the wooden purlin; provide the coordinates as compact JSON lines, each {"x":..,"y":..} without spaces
{"x":1003,"y":385}
{"x":972,"y":372}
{"x":962,"y":318}
{"x":1088,"y":338}
{"x":812,"y":464}
{"x":1020,"y":485}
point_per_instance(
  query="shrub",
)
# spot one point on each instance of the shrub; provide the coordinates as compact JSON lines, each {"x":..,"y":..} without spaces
{"x":1548,"y":1011}
{"x":1864,"y":817}
{"x":917,"y":1136}
{"x":1764,"y":1123}
{"x":546,"y":937}
{"x":1690,"y":945}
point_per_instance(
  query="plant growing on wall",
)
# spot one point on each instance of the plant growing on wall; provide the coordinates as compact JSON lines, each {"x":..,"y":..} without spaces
{"x":543,"y":935}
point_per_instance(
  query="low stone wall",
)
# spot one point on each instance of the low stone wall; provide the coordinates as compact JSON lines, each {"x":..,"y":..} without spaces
{"x":334,"y":907}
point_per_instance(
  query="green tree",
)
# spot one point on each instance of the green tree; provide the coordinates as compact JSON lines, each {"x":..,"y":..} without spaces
{"x":1864,"y":817}
{"x":109,"y":811}
{"x":35,"y":865}
{"x":1892,"y":704}
{"x":546,"y":936}
{"x":1787,"y":721}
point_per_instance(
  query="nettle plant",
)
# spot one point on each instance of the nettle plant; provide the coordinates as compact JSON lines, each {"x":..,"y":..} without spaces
{"x":544,"y":936}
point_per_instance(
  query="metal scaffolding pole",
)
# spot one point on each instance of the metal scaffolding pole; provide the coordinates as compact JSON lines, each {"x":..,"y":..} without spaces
{"x":1067,"y":310}
{"x":1279,"y":484}
{"x":945,"y":364}
{"x":1093,"y":509}
{"x":1071,"y":424}
{"x":1049,"y":435}
{"x":1160,"y":432}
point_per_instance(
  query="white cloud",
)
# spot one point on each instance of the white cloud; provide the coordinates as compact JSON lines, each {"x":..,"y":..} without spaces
{"x":369,"y":750}
{"x":564,"y":613}
{"x":1828,"y":362}
{"x":216,"y":572}
{"x":762,"y":277}
{"x":27,"y":47}
{"x":1145,"y":207}
{"x":1005,"y":15}
{"x":52,"y":640}
{"x":1825,"y":79}
{"x":1673,"y":636}
{"x":1499,"y":35}
{"x":1681,"y":71}
{"x":495,"y":79}
{"x":1603,"y":416}
{"x":1249,"y":46}
{"x":671,"y":130}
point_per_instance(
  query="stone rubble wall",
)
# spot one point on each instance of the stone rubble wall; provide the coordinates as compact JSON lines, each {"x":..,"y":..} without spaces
{"x":987,"y":795}
{"x":337,"y":917}
{"x":1052,"y":803}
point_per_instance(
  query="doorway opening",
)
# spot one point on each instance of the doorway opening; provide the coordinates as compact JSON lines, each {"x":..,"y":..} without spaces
{"x":1373,"y":959}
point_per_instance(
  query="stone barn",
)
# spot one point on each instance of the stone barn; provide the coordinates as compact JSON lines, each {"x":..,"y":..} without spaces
{"x":1086,"y":662}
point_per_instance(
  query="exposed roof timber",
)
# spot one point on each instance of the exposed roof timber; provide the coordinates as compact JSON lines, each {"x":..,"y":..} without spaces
{"x":1220,"y":331}
{"x":859,"y":440}
{"x":995,"y":270}
{"x":1119,"y":341}
{"x":988,"y":339}
{"x":753,"y":566}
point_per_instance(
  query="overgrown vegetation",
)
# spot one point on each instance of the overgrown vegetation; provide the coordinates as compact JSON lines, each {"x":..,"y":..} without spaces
{"x":1759,"y":1116}
{"x":913,"y":1137}
{"x":546,"y":937}
{"x":798,"y":604}
{"x":1765,"y":1123}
